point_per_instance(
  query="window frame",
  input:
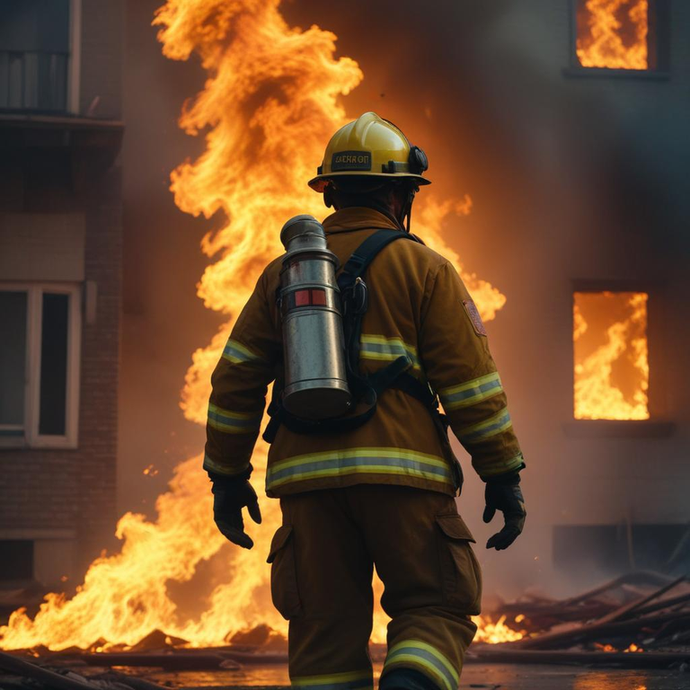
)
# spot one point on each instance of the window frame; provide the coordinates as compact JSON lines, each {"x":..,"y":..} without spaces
{"x":74,"y":60}
{"x":659,"y":20}
{"x":31,"y":438}
{"x":72,"y":71}
{"x":659,"y":423}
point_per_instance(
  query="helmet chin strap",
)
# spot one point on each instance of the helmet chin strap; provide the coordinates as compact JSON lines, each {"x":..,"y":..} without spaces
{"x":407,"y":209}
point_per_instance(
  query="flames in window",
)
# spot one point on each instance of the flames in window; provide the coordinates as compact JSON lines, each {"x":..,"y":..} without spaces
{"x":611,"y":364}
{"x":613,"y":34}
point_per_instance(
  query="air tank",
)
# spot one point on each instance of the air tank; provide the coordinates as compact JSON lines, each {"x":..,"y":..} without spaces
{"x":312,"y":322}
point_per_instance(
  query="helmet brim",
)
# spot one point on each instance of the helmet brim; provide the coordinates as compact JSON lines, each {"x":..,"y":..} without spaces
{"x":318,"y":183}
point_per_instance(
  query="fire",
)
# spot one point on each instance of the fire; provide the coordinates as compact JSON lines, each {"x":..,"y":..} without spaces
{"x":497,"y":632}
{"x":613,"y":34}
{"x":610,"y":648}
{"x":611,"y":359}
{"x":270,"y":102}
{"x":633,"y":648}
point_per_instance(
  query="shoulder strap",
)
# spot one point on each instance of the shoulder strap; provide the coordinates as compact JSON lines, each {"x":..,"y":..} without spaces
{"x":361,"y":258}
{"x":353,"y":292}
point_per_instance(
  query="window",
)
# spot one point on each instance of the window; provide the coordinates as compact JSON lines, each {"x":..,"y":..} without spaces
{"x":623,"y":37}
{"x":611,"y":367}
{"x":34,"y":55}
{"x":39,"y":365}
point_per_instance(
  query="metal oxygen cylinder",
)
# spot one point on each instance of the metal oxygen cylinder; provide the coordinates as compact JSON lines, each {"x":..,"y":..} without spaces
{"x":311,"y":311}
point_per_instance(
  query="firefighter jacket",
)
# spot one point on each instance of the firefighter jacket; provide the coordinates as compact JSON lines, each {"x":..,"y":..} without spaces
{"x":418,"y":308}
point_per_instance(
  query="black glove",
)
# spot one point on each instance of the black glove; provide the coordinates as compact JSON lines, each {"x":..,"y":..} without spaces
{"x":230,"y":495}
{"x":504,"y":494}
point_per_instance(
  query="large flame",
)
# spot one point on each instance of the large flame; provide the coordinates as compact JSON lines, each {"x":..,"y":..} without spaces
{"x":613,"y":34}
{"x":611,"y":362}
{"x":270,"y":102}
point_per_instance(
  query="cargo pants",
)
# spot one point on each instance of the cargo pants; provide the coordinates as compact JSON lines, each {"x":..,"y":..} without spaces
{"x":321,"y":581}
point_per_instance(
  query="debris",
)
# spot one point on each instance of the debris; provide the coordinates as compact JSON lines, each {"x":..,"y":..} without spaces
{"x":26,"y":669}
{"x":625,"y":610}
{"x":68,"y":680}
{"x":157,"y":640}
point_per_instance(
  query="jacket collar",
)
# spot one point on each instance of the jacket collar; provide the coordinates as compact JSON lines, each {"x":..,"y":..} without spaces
{"x":357,"y":218}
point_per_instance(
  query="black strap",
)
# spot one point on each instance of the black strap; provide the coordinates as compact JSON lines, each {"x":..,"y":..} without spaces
{"x":362,"y":257}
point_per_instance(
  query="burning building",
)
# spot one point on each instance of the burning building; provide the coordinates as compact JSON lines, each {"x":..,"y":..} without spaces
{"x":562,"y":121}
{"x":60,"y":284}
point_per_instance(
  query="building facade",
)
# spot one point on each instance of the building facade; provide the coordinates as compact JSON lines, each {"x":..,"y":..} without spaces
{"x":60,"y":283}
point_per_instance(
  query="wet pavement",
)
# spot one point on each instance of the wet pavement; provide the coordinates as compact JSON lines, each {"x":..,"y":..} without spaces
{"x":490,"y":677}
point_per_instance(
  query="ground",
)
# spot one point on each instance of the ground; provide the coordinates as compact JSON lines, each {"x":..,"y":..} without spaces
{"x":492,"y":677}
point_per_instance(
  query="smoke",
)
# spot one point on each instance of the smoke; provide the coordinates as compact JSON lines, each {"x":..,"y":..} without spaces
{"x":571,"y":179}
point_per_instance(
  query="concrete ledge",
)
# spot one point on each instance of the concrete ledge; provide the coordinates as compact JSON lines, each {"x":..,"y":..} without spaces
{"x":604,"y":72}
{"x":610,"y":428}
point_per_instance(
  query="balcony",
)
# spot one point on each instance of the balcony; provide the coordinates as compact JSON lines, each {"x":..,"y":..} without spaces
{"x":33,"y":81}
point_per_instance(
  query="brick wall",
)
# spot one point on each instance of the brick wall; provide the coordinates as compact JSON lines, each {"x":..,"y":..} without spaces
{"x":68,"y":496}
{"x":75,"y":490}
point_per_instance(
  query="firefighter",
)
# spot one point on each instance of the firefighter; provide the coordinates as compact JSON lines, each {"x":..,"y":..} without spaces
{"x":382,"y":493}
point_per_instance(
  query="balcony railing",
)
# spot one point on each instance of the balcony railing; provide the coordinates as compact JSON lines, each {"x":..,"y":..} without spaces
{"x":33,"y":81}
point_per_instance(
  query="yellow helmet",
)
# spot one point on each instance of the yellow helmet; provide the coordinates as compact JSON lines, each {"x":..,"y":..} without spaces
{"x":370,"y":146}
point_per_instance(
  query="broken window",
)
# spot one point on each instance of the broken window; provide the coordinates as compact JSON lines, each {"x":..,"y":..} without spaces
{"x":616,"y":34}
{"x":611,"y":366}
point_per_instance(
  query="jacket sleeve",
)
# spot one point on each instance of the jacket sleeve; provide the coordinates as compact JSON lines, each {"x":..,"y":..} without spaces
{"x":460,"y":368}
{"x":239,"y":383}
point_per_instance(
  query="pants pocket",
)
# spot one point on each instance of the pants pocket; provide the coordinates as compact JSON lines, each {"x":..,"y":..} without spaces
{"x":460,"y":570}
{"x":284,"y":592}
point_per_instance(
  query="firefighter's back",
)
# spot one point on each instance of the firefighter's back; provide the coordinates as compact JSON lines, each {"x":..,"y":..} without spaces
{"x":401,"y":443}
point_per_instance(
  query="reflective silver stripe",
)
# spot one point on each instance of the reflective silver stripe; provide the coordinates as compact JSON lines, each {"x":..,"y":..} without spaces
{"x":427,"y":658}
{"x":232,"y":422}
{"x":491,"y":427}
{"x":380,"y":348}
{"x":237,"y":353}
{"x":471,"y":392}
{"x":357,"y":680}
{"x":213,"y":466}
{"x":359,"y":460}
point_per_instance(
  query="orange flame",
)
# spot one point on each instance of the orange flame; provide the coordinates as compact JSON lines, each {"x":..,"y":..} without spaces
{"x":497,"y":632}
{"x":611,"y":378}
{"x":270,"y":102}
{"x":610,"y":37}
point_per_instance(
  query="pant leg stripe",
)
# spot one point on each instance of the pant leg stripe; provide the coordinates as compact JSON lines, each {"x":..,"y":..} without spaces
{"x":355,"y":680}
{"x":428,"y":658}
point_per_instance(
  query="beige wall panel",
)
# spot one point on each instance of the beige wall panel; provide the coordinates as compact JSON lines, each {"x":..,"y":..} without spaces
{"x":42,"y":246}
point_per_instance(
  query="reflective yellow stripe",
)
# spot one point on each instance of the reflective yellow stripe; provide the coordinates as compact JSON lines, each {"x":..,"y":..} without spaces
{"x":500,"y":467}
{"x":231,"y":422}
{"x":494,"y":425}
{"x":213,"y":466}
{"x":237,"y":353}
{"x":394,"y":461}
{"x":471,"y":392}
{"x":380,"y":348}
{"x":336,"y":681}
{"x":417,"y":652}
